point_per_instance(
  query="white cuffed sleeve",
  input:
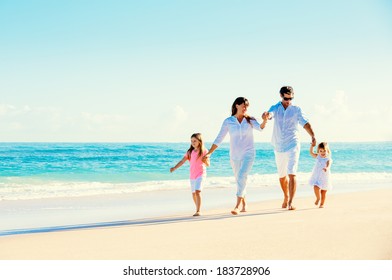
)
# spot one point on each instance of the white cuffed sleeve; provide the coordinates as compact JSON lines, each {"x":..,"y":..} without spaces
{"x":222,"y":133}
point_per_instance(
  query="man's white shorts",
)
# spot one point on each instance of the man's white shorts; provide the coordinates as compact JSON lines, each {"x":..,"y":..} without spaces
{"x":287,"y":162}
{"x":196,"y":184}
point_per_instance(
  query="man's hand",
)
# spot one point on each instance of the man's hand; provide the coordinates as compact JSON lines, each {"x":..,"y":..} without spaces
{"x":266,"y":116}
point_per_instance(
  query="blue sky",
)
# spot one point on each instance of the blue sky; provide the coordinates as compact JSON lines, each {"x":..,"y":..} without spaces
{"x":156,"y":71}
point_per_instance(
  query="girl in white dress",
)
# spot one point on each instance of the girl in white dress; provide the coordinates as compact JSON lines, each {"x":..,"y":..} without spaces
{"x":320,"y":179}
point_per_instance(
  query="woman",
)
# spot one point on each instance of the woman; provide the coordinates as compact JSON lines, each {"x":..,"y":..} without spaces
{"x":242,"y":152}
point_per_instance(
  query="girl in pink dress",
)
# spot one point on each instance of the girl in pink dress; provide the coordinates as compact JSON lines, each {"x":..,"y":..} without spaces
{"x":195,"y":155}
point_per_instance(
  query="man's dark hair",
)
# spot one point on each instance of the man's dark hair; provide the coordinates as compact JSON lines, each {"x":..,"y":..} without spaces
{"x":286,"y":89}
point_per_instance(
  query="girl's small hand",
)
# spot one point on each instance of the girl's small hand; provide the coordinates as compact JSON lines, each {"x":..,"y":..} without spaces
{"x":172,"y":169}
{"x":325,"y":169}
{"x":206,"y":160}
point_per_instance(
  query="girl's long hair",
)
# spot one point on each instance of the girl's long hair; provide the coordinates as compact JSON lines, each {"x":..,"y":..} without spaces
{"x":201,"y":146}
{"x":239,"y":101}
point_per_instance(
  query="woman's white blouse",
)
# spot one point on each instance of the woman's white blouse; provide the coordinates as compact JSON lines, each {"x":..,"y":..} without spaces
{"x":241,"y":137}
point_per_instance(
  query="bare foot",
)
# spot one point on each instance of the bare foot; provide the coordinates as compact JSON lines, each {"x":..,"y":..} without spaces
{"x":317,"y":202}
{"x":321,"y":206}
{"x":197,"y":214}
{"x":235,"y":211}
{"x":291,"y":207}
{"x":244,"y":208}
{"x":284,"y":204}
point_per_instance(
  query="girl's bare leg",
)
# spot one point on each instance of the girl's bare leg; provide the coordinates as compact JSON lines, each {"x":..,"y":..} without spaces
{"x":194,"y":198}
{"x":323,"y":195}
{"x":197,"y":199}
{"x":317,"y":193}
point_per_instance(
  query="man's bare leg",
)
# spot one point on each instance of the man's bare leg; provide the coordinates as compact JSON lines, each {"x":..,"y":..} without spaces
{"x":284,"y":184}
{"x":292,"y":190}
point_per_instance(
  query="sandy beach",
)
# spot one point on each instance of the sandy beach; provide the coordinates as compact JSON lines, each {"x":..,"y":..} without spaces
{"x":352,"y":226}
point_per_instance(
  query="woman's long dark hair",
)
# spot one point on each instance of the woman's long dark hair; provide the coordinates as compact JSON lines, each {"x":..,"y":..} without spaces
{"x":239,"y":101}
{"x":201,"y":149}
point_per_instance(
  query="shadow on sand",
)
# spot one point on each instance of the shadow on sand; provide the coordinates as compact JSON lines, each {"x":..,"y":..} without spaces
{"x":144,"y":222}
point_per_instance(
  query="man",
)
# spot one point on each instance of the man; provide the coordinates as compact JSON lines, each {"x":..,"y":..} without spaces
{"x":286,"y":142}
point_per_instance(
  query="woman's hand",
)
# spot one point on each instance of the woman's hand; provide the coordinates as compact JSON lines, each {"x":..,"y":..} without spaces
{"x":266,"y":116}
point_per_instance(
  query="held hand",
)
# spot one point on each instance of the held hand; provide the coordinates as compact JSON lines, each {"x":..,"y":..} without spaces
{"x":266,"y":116}
{"x":206,"y":157}
{"x":206,"y":161}
{"x":325,"y":169}
{"x":313,"y":141}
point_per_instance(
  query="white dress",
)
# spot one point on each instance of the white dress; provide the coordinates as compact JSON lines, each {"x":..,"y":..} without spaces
{"x":319,"y":177}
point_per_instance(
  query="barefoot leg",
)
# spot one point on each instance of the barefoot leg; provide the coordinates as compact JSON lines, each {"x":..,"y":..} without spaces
{"x":239,"y":201}
{"x":194,"y":198}
{"x":284,"y":184}
{"x":323,"y":195}
{"x":243,"y":205}
{"x":317,"y":193}
{"x":292,"y":190}
{"x":198,"y":201}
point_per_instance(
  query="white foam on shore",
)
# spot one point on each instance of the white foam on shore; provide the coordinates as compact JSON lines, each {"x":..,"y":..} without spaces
{"x":13,"y":188}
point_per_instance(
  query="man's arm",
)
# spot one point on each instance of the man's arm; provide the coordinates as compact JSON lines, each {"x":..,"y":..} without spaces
{"x":309,"y":130}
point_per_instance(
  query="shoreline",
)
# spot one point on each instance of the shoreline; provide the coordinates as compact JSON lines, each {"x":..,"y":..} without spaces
{"x":14,"y":189}
{"x":353,"y":226}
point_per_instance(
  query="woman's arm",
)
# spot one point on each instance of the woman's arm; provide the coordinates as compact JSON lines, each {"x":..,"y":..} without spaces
{"x":263,"y":124}
{"x":218,"y":140}
{"x":210,"y":151}
{"x":221,"y":135}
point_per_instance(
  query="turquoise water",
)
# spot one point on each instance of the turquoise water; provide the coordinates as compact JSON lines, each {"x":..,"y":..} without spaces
{"x":70,"y":167}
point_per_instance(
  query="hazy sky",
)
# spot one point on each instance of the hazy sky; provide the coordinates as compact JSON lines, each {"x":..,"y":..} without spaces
{"x":156,"y":71}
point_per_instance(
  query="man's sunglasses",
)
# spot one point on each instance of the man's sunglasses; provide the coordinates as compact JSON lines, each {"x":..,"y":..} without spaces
{"x":288,"y":98}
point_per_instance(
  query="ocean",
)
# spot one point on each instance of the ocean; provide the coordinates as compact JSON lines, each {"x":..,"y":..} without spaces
{"x":53,"y":170}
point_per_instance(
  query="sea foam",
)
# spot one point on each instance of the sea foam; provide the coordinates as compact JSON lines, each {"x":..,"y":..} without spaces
{"x":16,"y":188}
